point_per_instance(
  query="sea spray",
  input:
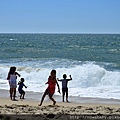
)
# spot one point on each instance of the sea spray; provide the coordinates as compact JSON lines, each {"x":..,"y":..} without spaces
{"x":93,"y":60}
{"x":89,"y":79}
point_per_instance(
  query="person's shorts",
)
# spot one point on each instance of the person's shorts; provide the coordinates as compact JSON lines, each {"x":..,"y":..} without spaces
{"x":21,"y":91}
{"x":48,"y":93}
{"x":65,"y":90}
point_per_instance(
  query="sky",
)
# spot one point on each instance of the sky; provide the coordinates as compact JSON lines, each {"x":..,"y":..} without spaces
{"x":60,"y":16}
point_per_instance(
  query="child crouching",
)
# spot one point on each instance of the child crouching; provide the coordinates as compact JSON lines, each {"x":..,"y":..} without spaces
{"x":20,"y":88}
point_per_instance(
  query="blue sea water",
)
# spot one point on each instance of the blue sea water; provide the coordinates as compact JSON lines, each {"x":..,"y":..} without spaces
{"x":93,"y":60}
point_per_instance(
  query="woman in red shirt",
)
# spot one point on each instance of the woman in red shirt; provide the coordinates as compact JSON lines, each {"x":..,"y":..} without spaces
{"x":51,"y":87}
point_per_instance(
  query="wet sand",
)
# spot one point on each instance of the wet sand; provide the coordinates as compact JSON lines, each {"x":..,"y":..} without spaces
{"x":78,"y":108}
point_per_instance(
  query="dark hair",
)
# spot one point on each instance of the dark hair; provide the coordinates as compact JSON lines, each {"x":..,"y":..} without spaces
{"x":64,"y":76}
{"x":12,"y":70}
{"x":53,"y":71}
{"x":22,"y":79}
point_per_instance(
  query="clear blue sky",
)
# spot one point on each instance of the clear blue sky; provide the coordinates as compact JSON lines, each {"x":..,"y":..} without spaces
{"x":59,"y":16}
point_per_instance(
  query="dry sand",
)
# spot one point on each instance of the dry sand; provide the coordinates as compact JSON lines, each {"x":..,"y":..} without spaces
{"x":94,"y":109}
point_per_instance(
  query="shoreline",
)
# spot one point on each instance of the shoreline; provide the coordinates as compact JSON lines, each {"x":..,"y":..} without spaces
{"x":36,"y":96}
{"x":78,"y":108}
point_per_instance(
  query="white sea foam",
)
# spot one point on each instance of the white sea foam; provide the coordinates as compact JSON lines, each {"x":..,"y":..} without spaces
{"x":89,"y":79}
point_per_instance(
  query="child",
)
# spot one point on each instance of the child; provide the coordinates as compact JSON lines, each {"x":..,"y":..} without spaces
{"x":21,"y":91}
{"x":64,"y":86}
{"x":12,"y":77}
{"x":51,"y":87}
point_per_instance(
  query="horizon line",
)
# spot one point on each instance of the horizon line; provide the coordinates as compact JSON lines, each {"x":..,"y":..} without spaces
{"x":57,"y":33}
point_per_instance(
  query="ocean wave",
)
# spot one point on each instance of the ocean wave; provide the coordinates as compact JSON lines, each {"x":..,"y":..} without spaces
{"x":89,"y":79}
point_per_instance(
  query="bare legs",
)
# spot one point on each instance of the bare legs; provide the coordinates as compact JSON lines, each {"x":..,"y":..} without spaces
{"x":65,"y":91}
{"x":63,"y":96}
{"x":22,"y":95}
{"x":67,"y":97}
{"x":42,"y":99}
{"x":12,"y":93}
{"x":54,"y":102}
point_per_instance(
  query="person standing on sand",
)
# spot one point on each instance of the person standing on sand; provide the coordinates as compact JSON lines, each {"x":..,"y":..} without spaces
{"x":64,"y":86}
{"x":12,"y":77}
{"x":51,"y":87}
{"x":20,"y":88}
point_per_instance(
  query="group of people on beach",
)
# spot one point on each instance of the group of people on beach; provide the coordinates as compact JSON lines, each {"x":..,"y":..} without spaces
{"x":50,"y":90}
{"x":12,"y":78}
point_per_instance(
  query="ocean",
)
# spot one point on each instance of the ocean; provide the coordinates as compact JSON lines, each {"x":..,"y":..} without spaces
{"x":93,"y":61}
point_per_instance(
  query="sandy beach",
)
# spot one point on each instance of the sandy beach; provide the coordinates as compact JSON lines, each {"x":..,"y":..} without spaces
{"x":78,"y":108}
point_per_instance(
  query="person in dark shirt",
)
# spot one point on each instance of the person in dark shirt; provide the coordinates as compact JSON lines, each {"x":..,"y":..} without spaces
{"x":20,"y":88}
{"x":64,"y":86}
